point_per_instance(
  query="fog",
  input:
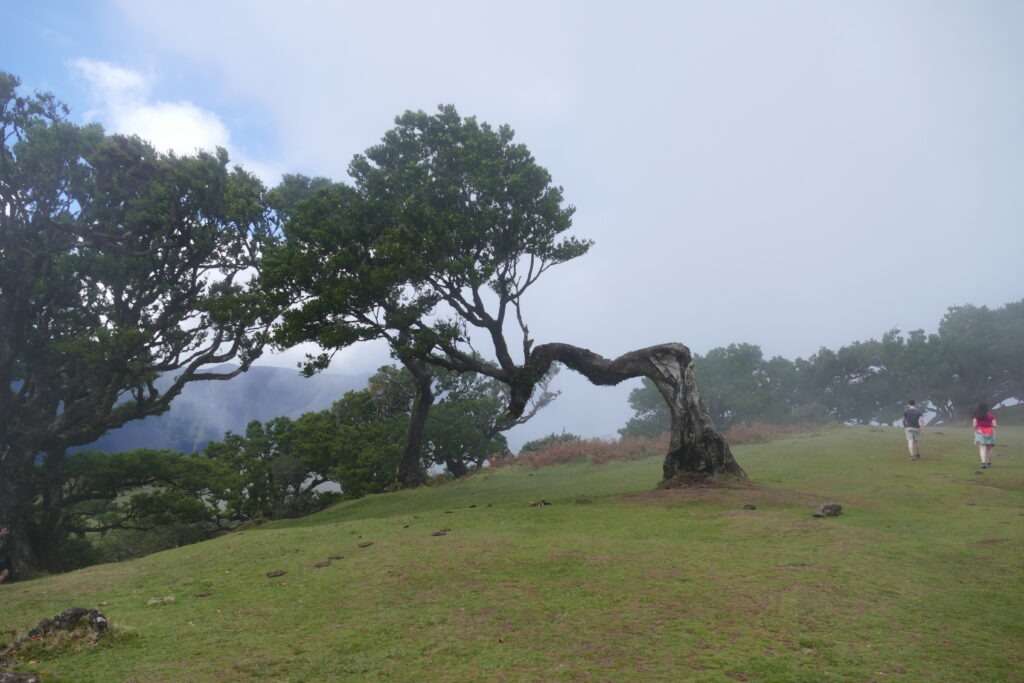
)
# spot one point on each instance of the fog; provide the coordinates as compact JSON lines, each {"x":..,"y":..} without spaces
{"x":790,"y":174}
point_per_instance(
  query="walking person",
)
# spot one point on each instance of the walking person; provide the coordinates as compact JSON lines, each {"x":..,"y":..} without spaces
{"x":912,"y":427}
{"x":984,"y":433}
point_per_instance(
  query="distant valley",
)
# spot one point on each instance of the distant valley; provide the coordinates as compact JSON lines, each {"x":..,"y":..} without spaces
{"x":206,"y":410}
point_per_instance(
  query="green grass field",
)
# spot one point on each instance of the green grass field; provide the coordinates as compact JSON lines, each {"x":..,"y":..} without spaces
{"x":921,"y":578}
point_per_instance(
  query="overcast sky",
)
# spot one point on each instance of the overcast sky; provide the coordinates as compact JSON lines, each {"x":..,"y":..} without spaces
{"x":790,"y":174}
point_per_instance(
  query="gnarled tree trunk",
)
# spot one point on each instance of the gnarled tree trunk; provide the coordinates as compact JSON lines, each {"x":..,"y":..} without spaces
{"x":16,"y":499}
{"x":410,"y":469}
{"x":697,"y":450}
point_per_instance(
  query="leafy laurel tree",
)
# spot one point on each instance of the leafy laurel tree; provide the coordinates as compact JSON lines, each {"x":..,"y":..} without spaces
{"x":449,"y":223}
{"x":119,"y":265}
{"x":349,"y":268}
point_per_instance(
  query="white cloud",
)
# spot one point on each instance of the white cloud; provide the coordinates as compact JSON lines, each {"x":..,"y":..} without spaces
{"x":112,"y":81}
{"x":179,"y":126}
{"x":269,"y":172}
{"x":124,"y":105}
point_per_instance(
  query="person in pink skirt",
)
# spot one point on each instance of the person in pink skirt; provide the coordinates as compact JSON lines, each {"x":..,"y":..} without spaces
{"x":984,"y":433}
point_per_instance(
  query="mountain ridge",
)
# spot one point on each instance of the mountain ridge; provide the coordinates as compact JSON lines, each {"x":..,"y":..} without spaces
{"x":206,"y":410}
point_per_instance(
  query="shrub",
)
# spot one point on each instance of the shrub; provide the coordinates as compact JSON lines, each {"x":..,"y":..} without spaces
{"x":546,"y":441}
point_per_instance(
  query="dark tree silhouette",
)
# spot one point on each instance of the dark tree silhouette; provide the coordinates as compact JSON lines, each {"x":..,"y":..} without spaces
{"x":118,"y":265}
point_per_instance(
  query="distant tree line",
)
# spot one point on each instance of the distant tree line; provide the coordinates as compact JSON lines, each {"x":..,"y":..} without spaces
{"x":976,"y":355}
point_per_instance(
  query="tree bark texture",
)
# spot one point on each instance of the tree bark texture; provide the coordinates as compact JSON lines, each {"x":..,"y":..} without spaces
{"x":410,"y":469}
{"x":16,"y":499}
{"x":696,"y":451}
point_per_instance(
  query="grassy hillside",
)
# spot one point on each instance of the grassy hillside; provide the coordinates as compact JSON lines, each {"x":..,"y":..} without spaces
{"x":921,"y":579}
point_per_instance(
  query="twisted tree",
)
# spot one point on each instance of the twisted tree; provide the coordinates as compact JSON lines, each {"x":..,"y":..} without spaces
{"x":482,"y":222}
{"x":696,"y":448}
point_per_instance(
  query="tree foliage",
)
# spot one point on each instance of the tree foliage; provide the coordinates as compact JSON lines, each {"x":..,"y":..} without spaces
{"x":482,"y":221}
{"x":650,"y":412}
{"x":977,"y":355}
{"x":145,"y":500}
{"x":443,"y":204}
{"x":535,"y":445}
{"x":133,"y":494}
{"x":466,"y":424}
{"x":118,"y":265}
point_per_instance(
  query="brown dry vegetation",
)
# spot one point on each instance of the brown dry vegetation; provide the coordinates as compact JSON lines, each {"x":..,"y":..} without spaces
{"x":603,"y":451}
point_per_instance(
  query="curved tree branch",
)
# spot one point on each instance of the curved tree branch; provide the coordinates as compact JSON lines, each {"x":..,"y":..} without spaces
{"x":696,"y":449}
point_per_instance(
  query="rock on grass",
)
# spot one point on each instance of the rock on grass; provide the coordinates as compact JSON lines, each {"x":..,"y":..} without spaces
{"x":829,"y":510}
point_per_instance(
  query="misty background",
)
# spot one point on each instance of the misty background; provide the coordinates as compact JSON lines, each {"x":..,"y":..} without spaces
{"x":789,"y":174}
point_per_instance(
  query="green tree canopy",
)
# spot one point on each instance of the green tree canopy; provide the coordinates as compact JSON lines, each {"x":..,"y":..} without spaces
{"x":486,"y":222}
{"x":441,"y":210}
{"x":976,"y":356}
{"x":118,"y":265}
